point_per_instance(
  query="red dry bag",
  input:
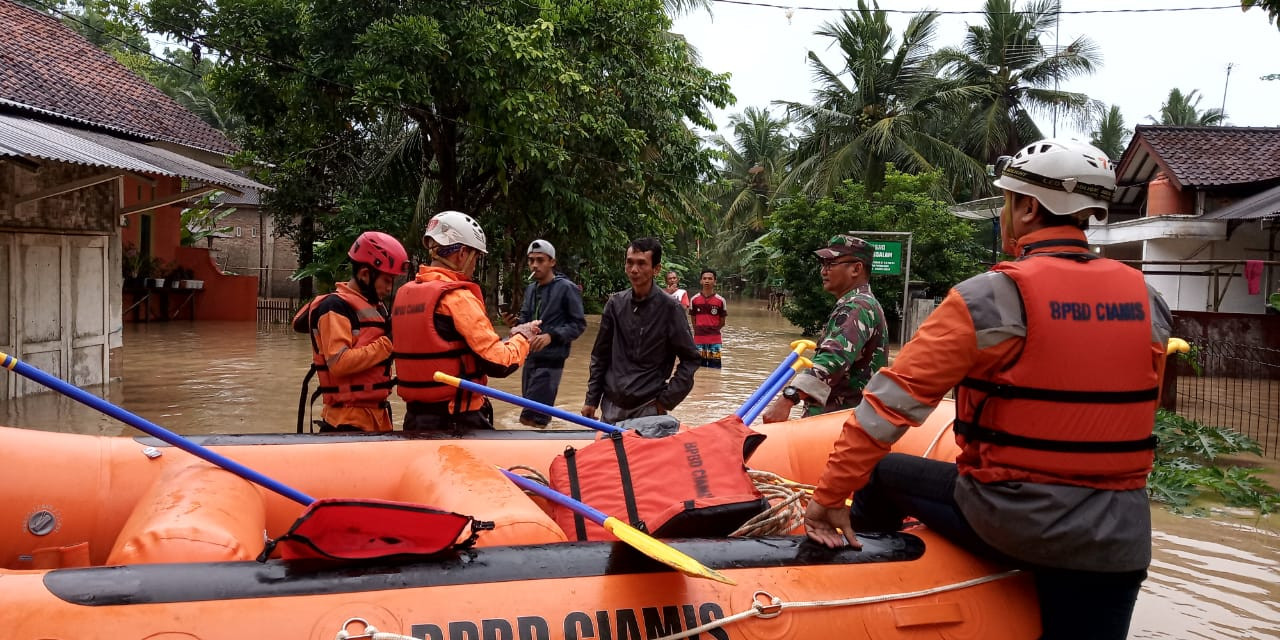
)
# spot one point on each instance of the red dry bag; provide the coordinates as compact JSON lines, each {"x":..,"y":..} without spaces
{"x":343,"y":529}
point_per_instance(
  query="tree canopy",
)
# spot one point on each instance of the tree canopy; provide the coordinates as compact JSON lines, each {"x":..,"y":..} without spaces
{"x":537,"y":119}
{"x":944,"y":250}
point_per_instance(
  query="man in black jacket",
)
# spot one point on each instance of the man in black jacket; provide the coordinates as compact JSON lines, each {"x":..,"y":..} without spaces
{"x":642,"y":333}
{"x":557,"y":302}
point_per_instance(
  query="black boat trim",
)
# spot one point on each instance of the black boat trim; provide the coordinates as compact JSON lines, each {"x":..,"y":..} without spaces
{"x":193,"y":582}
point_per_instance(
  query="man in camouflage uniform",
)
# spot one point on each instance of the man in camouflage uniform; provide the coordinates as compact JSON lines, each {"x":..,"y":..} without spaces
{"x":855,"y":344}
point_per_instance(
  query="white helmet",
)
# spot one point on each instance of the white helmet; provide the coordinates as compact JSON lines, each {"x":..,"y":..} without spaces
{"x":1066,"y":176}
{"x":455,"y":227}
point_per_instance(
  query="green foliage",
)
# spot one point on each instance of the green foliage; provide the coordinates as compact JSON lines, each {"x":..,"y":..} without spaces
{"x":1184,"y":468}
{"x":1272,"y":7}
{"x":943,"y":248}
{"x":355,"y":213}
{"x":1004,"y":73}
{"x":876,"y":108}
{"x":561,"y":119}
{"x":1184,"y":110}
{"x":1111,"y":136}
{"x":201,"y":220}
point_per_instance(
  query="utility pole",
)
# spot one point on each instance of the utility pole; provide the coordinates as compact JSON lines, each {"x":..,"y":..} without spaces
{"x":1223,"y":110}
{"x":1057,"y":21}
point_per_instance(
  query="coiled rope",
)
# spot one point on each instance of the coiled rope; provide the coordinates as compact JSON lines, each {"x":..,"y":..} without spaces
{"x":787,"y":501}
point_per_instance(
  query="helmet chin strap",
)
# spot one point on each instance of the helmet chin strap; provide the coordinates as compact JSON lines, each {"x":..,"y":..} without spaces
{"x":366,"y":288}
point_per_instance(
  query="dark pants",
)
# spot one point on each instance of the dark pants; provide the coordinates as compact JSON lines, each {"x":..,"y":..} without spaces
{"x":1073,"y":604}
{"x":422,"y":416}
{"x":539,"y":382}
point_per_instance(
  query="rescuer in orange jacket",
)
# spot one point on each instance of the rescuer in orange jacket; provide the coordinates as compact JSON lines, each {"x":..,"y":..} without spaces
{"x":351,"y":350}
{"x":440,"y":324}
{"x":1056,"y":358}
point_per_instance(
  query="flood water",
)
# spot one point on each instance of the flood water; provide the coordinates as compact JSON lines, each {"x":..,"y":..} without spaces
{"x":1215,"y":577}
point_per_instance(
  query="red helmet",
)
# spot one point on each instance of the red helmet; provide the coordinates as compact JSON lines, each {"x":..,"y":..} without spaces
{"x":380,"y":251}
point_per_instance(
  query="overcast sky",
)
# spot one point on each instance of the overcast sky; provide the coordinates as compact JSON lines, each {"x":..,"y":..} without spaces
{"x":1144,"y":55}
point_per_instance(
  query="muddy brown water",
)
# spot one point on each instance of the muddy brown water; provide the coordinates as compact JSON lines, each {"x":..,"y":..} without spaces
{"x":1215,"y":577}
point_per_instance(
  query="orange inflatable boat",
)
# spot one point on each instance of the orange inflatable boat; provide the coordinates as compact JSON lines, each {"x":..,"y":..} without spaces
{"x":116,"y":537}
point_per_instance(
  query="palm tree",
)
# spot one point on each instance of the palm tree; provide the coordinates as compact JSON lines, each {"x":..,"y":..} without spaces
{"x":882,"y":113}
{"x":1184,"y":110}
{"x":754,"y":163}
{"x":1013,"y":76}
{"x":1111,"y":136}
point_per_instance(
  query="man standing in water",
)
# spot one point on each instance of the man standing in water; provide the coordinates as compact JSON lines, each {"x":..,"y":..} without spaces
{"x":1056,"y":358}
{"x":642,"y":333}
{"x":440,"y":324}
{"x":673,"y":289}
{"x":708,"y":310}
{"x":855,"y":343}
{"x":555,"y":301}
{"x":349,"y":345}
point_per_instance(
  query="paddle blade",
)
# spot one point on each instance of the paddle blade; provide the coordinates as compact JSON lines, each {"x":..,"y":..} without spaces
{"x":662,"y":552}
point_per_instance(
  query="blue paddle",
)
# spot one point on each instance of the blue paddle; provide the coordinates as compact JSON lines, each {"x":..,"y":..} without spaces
{"x":784,"y":371}
{"x":777,"y":385}
{"x":150,"y":428}
{"x":526,"y":403}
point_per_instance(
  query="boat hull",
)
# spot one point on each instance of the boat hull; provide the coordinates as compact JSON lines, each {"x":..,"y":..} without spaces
{"x":68,"y":508}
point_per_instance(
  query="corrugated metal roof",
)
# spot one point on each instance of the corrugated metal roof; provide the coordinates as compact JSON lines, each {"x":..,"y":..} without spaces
{"x":24,"y":137}
{"x":29,"y":138}
{"x":1260,"y":205}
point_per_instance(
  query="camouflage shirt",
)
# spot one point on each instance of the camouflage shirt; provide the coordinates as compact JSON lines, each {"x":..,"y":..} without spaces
{"x":854,"y":346}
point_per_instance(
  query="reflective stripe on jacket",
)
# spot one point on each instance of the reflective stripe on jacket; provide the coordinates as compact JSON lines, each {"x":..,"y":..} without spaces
{"x":1077,"y":406}
{"x":365,"y":388}
{"x":422,"y":350}
{"x":977,"y":332}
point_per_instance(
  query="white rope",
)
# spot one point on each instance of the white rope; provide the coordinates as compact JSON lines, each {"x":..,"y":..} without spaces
{"x":776,"y":606}
{"x":936,"y":438}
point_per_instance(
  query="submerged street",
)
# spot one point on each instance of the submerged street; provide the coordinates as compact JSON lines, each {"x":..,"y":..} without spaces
{"x":1216,"y":577}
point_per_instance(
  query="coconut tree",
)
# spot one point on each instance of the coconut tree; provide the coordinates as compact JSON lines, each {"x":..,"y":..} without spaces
{"x":876,"y":108}
{"x":1184,"y":110}
{"x":1012,"y":76}
{"x":754,"y":162}
{"x":1111,"y":135}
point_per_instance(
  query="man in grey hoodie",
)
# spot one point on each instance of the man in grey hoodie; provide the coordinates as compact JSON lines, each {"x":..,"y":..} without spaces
{"x":557,"y":302}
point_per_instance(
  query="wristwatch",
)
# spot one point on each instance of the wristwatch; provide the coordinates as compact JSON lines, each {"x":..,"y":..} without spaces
{"x":791,"y":393}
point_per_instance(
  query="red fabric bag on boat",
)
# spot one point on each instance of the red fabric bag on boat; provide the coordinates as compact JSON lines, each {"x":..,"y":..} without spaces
{"x":692,"y":484}
{"x":346,"y":529}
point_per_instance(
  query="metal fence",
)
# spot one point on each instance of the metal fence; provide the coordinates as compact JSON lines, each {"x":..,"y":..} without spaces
{"x":276,"y":310}
{"x":1237,"y":386}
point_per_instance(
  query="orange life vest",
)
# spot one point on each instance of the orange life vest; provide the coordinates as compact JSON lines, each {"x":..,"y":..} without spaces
{"x":692,"y":484}
{"x":1078,"y":406}
{"x":369,"y":387}
{"x":422,"y":350}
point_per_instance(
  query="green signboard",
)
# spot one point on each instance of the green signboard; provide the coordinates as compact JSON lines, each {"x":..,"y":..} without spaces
{"x":887,"y":259}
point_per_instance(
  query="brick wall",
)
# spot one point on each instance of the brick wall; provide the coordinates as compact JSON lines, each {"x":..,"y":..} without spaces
{"x":249,"y":244}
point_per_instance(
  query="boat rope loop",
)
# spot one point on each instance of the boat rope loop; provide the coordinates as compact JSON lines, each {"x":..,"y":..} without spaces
{"x":766,"y":606}
{"x":370,"y":632}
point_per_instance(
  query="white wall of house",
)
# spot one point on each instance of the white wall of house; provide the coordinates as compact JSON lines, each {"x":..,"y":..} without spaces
{"x":1197,"y":292}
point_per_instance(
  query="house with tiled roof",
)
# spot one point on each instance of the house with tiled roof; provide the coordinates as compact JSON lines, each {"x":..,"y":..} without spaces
{"x":95,"y":167}
{"x":1196,"y":208}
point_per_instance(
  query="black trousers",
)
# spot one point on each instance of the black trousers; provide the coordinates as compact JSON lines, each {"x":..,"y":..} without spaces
{"x":1073,"y":604}
{"x":421,"y":416}
{"x":540,"y":383}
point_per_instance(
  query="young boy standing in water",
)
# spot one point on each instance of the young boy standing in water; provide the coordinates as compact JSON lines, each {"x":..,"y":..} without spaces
{"x":708,"y":309}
